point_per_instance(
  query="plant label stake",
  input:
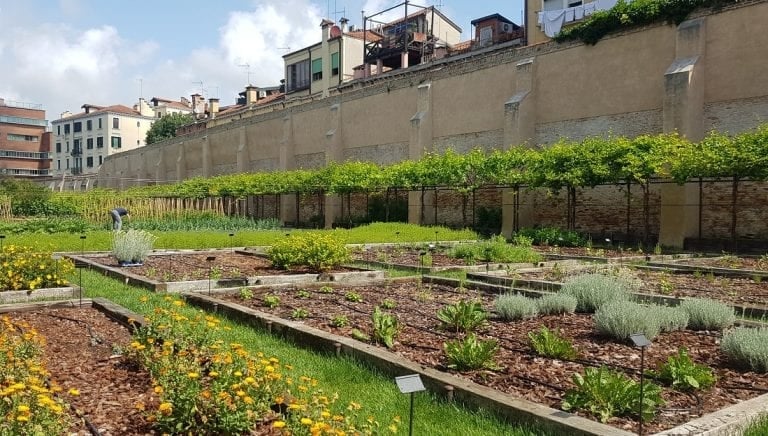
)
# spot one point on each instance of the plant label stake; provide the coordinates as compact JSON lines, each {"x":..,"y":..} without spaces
{"x":80,"y":269}
{"x":210,"y":260}
{"x":2,"y":237}
{"x":231,"y":245}
{"x":408,"y":384}
{"x":639,"y":340}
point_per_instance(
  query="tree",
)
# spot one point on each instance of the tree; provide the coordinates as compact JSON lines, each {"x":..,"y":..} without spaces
{"x":165,"y":127}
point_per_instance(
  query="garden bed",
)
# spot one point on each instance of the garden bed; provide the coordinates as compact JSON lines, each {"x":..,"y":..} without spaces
{"x":523,"y":374}
{"x":80,"y":353}
{"x":183,"y":271}
{"x":7,"y":297}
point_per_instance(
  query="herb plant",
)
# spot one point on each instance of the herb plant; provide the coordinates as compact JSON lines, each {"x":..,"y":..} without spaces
{"x":385,"y":327}
{"x":684,"y":374}
{"x":549,"y":343}
{"x":463,"y":316}
{"x":471,"y":353}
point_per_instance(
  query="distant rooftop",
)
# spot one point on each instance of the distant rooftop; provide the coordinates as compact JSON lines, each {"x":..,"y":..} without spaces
{"x":21,"y":104}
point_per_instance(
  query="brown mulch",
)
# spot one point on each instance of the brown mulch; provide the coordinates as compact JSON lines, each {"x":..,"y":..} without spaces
{"x":731,"y":262}
{"x":80,"y":353}
{"x":407,"y":255}
{"x":523,"y":374}
{"x":174,"y":267}
{"x":588,"y":252}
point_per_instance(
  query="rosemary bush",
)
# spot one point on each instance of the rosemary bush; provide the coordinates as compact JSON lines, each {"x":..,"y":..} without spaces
{"x":671,"y":318}
{"x":512,"y":307}
{"x":132,"y":245}
{"x":706,"y":314}
{"x":620,"y":319}
{"x":594,"y":290}
{"x":748,"y":347}
{"x":556,"y":304}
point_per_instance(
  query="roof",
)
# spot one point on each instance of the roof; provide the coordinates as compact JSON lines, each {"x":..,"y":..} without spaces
{"x":235,"y":108}
{"x":115,"y":109}
{"x":491,"y":17}
{"x":424,"y":11}
{"x":461,"y":45}
{"x":368,"y":35}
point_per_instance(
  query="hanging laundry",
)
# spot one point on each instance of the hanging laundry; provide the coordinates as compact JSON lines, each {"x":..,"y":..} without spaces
{"x":553,"y":22}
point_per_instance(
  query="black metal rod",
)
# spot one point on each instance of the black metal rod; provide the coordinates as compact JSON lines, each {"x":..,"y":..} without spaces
{"x":410,"y":420}
{"x":642,"y":369}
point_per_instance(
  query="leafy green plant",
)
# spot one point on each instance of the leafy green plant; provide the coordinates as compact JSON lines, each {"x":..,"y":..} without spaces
{"x":340,"y":321}
{"x":594,"y":290}
{"x":385,"y":327}
{"x":388,"y":303}
{"x":299,"y":313}
{"x":470,"y":353}
{"x":495,"y":249}
{"x":360,"y":335}
{"x":132,"y":246}
{"x":29,"y":268}
{"x":463,"y":316}
{"x":245,"y":294}
{"x":512,"y":307}
{"x":684,"y":374}
{"x":271,"y":301}
{"x":747,"y":347}
{"x":555,"y":304}
{"x":326,"y":289}
{"x":706,"y":314}
{"x":303,"y":293}
{"x":549,"y":343}
{"x":620,"y":319}
{"x":605,"y":393}
{"x":353,"y":297}
{"x":553,"y":236}
{"x":318,"y":251}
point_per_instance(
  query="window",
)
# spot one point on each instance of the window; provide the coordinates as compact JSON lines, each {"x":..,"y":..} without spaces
{"x":89,"y":125}
{"x":77,"y":127}
{"x":24,"y":154}
{"x":67,"y":144}
{"x":77,"y":146}
{"x":99,"y":141}
{"x":89,"y":143}
{"x":99,"y":123}
{"x":89,"y":161}
{"x":335,"y":64}
{"x":66,"y":129}
{"x":116,"y":142}
{"x":101,"y":159}
{"x":29,"y":138}
{"x":115,"y":123}
{"x":58,"y":164}
{"x":297,"y":76}
{"x":58,"y":147}
{"x":317,"y":69}
{"x":58,"y":129}
{"x":67,"y":164}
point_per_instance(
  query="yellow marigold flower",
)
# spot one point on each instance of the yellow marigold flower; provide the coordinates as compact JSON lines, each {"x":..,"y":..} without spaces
{"x":213,"y":374}
{"x":279,"y":400}
{"x":22,"y":418}
{"x":248,"y":400}
{"x":278,"y":424}
{"x":249,"y":380}
{"x":178,"y":303}
{"x":238,"y":373}
{"x":306,"y":421}
{"x":158,"y":389}
{"x":294,"y":406}
{"x":74,"y":392}
{"x":269,"y":368}
{"x":392,"y":428}
{"x":193,"y":375}
{"x":354,"y":406}
{"x":144,"y":299}
{"x":240,"y":393}
{"x":165,"y":408}
{"x":23,"y":408}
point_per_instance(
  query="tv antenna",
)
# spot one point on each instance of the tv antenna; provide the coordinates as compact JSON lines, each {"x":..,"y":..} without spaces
{"x":202,"y":90}
{"x":336,"y":12}
{"x":248,"y":71}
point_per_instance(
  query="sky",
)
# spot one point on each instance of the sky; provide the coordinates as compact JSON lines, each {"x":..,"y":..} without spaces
{"x":62,"y":54}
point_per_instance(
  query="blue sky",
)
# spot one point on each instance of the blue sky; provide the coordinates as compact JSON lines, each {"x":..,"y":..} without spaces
{"x":64,"y":53}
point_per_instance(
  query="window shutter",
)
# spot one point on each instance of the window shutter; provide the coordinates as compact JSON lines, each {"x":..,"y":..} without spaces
{"x":317,"y":66}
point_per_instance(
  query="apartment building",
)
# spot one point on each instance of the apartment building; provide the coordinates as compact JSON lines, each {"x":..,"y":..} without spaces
{"x":24,"y":144}
{"x":546,"y":18}
{"x":82,"y":141}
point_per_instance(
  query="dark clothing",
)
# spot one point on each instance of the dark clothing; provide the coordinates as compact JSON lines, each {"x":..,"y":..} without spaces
{"x":117,"y":217}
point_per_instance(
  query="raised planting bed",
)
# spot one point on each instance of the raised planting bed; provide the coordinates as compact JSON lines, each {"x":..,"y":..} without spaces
{"x":748,"y":293}
{"x":7,"y":297}
{"x":177,"y":271}
{"x":522,"y":373}
{"x":605,"y":255}
{"x":100,"y":388}
{"x":727,"y":266}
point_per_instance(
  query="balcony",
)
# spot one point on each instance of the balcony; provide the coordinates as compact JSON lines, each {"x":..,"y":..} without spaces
{"x":76,"y":171}
{"x":77,"y":151}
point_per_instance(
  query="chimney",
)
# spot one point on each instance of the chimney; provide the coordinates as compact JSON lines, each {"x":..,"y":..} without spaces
{"x":213,"y":107}
{"x":251,"y":94}
{"x":66,"y":114}
{"x":145,"y":110}
{"x":185,"y":101}
{"x":198,"y":105}
{"x":343,"y":23}
{"x":326,"y":25}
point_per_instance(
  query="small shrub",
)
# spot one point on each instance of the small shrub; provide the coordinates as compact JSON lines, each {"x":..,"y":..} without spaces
{"x":463,"y":316}
{"x":671,"y":318}
{"x":747,"y":347}
{"x":683,"y":374}
{"x":31,"y":268}
{"x":360,"y":335}
{"x":132,"y":245}
{"x":471,"y":353}
{"x":245,"y":294}
{"x":303,"y":293}
{"x":271,"y":301}
{"x":388,"y":304}
{"x":385,"y":327}
{"x":554,"y":236}
{"x":605,"y":394}
{"x":706,"y":314}
{"x":495,"y":249}
{"x":318,"y":251}
{"x":511,"y":307}
{"x":594,"y":290}
{"x":620,"y":319}
{"x":353,"y":297}
{"x":549,"y":343}
{"x":299,"y":313}
{"x":326,"y":289}
{"x":340,"y":321}
{"x":556,"y":304}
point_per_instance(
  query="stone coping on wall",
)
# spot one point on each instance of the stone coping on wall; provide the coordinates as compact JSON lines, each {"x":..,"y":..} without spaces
{"x":25,"y":296}
{"x":455,"y":388}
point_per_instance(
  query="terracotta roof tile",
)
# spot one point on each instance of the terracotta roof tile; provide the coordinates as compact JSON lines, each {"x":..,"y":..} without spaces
{"x":367,"y":35}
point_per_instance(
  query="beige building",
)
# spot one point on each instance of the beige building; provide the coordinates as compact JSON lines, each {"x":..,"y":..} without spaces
{"x":545,"y":18}
{"x":81,"y":142}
